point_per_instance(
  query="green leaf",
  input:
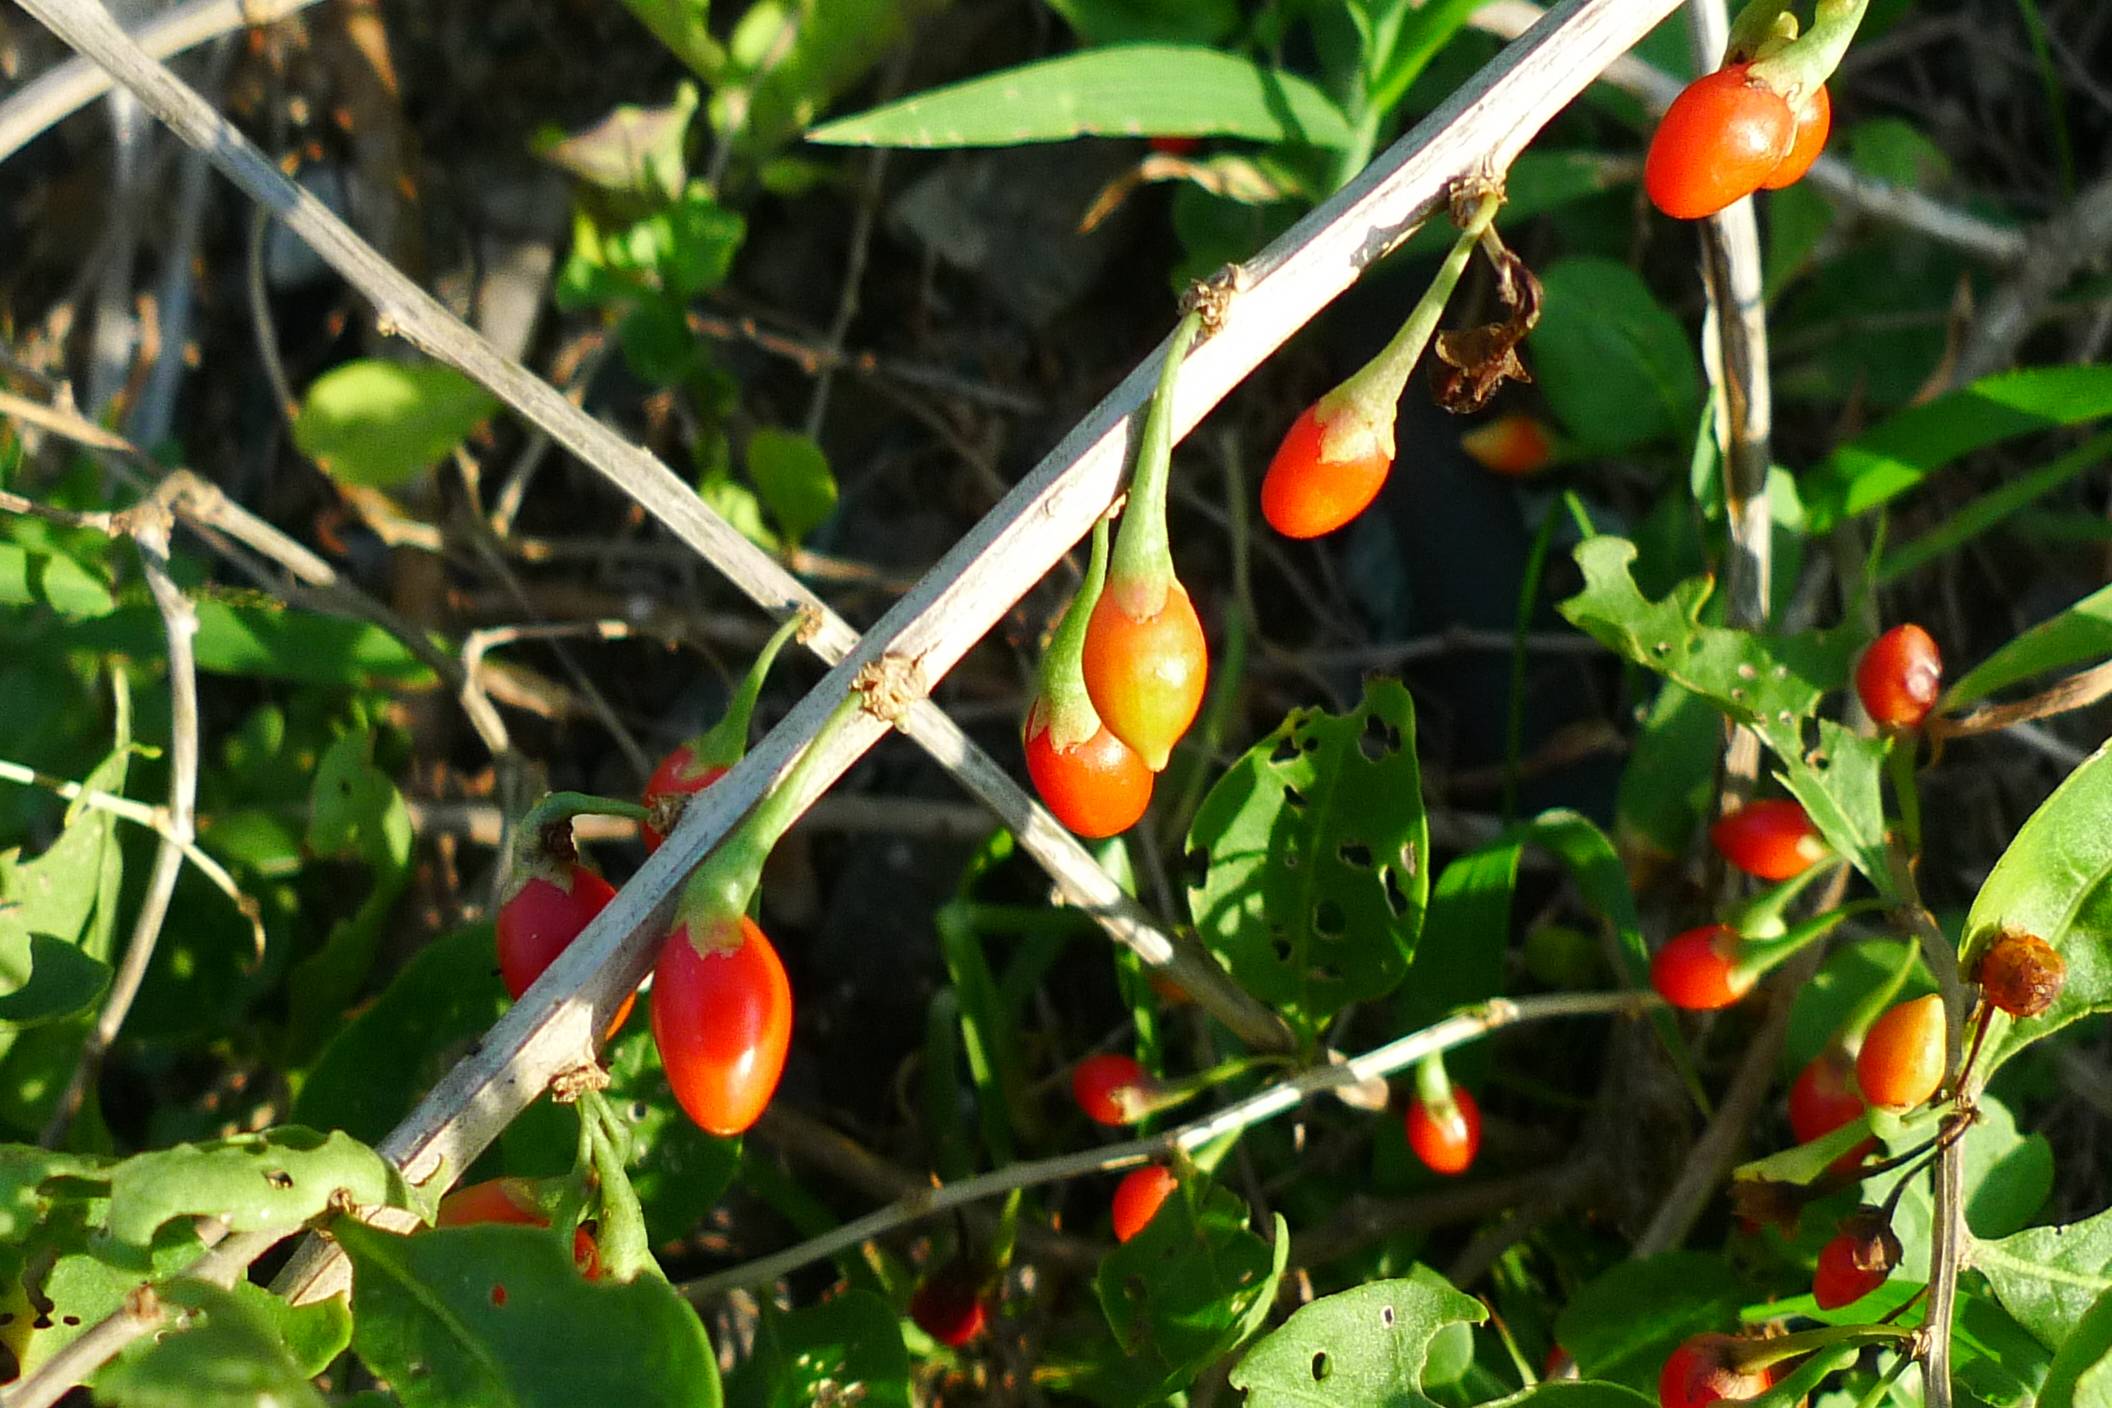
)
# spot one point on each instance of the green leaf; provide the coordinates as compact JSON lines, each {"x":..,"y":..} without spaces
{"x":792,"y":58}
{"x":1315,"y":858}
{"x":1123,"y":91}
{"x":355,"y":808}
{"x":374,"y":1068}
{"x":2083,"y":632}
{"x":41,"y":977}
{"x":1139,"y":21}
{"x":684,"y":27}
{"x":275,"y":1180}
{"x":1460,"y":957}
{"x":2047,"y":1277}
{"x":2081,"y":1376}
{"x":265,"y":640}
{"x":1616,"y":365}
{"x":384,"y":423}
{"x":1621,"y":1325}
{"x":633,"y":150}
{"x":1986,"y":510}
{"x":229,"y":1354}
{"x":847,"y":1349}
{"x":1187,"y":1289}
{"x":739,"y":505}
{"x":2008,"y":1177}
{"x":2055,"y":880}
{"x":1356,"y":1347}
{"x":56,"y":893}
{"x":791,"y":475}
{"x":1670,"y":776}
{"x":496,"y":1317}
{"x":1896,"y":454}
{"x":51,"y":579}
{"x":79,"y":1288}
{"x":1574,"y":1393}
{"x":25,"y":1199}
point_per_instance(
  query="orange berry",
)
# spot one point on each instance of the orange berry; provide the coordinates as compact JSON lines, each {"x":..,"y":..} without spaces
{"x":1722,"y":137}
{"x":1899,"y":677}
{"x":1771,"y":840}
{"x":1695,"y":970}
{"x":1902,"y":1059}
{"x":1305,"y":494}
{"x":1138,"y":1198}
{"x":1446,"y":1145}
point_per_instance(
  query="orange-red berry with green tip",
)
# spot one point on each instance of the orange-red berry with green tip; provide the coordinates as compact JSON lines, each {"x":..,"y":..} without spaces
{"x":1723,"y":136}
{"x":1445,"y":1143}
{"x":723,"y":1023}
{"x":1096,"y":788}
{"x":1900,"y":677}
{"x":1702,"y":1371}
{"x":1902,"y":1057}
{"x":1769,"y":840}
{"x":1138,"y":1198}
{"x":1697,"y":970}
{"x":541,"y":919}
{"x":1145,"y":675}
{"x":1305,"y":493}
{"x":1108,"y":1086}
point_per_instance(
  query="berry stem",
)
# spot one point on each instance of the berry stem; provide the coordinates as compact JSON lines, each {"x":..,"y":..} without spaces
{"x":1141,"y":573}
{"x":1803,"y":66}
{"x":1757,"y":956}
{"x":557,"y":807}
{"x":1759,"y":23}
{"x":1065,"y":708}
{"x":1367,"y":400}
{"x":726,"y":742}
{"x":1433,"y":1088}
{"x":1758,"y":1354}
{"x":1899,"y":763}
{"x":718,"y":894}
{"x":1879,"y":998}
{"x":542,"y":839}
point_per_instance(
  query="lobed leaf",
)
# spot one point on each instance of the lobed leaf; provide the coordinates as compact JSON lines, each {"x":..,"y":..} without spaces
{"x":275,"y":1180}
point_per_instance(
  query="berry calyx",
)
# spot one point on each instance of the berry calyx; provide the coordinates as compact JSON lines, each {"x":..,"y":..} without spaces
{"x":949,"y":1305}
{"x":2021,"y":973}
{"x":1111,"y":1088}
{"x":1814,"y":123}
{"x":1698,"y":970}
{"x":722,"y":1018}
{"x":1899,"y":677}
{"x":1145,"y":673}
{"x":1902,"y":1059}
{"x":541,"y":919}
{"x":1857,"y":1260}
{"x":1705,"y":1370}
{"x":1446,"y":1140}
{"x":1138,"y":1198}
{"x":1769,"y":840}
{"x":1093,"y":781}
{"x":693,"y":766}
{"x":1515,"y":445}
{"x":1722,"y":137}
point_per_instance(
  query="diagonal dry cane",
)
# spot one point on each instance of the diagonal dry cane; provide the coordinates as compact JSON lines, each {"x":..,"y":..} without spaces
{"x":1478,"y":131}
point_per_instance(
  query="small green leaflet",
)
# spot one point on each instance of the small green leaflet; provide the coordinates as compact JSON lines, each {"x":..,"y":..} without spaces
{"x":1363,"y":1346}
{"x":382,"y":424}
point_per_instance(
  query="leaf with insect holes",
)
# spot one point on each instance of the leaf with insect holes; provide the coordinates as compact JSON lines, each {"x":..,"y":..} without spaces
{"x":1771,"y":683}
{"x":2055,"y":881}
{"x":1367,"y":1345}
{"x":1312,"y":853}
{"x":258,"y":1182}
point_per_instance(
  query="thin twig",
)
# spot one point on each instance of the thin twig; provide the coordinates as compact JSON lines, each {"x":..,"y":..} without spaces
{"x":2078,"y":691}
{"x":2057,"y":251}
{"x":1264,"y":1104}
{"x":180,"y":623}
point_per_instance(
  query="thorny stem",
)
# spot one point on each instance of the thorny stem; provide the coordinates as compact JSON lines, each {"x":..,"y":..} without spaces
{"x":1141,"y":572}
{"x":1064,"y":707}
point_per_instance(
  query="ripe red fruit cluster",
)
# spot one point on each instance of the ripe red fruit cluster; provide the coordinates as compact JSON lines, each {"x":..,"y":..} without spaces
{"x":1900,"y":677}
{"x":1727,"y":135}
{"x":1108,"y":1088}
{"x":949,"y":1307}
{"x":1902,"y":1059}
{"x":1446,"y":1141}
{"x":2021,"y":973}
{"x":1769,"y":840}
{"x":1138,"y":1198}
{"x":1703,"y":1370}
{"x":1697,"y":970}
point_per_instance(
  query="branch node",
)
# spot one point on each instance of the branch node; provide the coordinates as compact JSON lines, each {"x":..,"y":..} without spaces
{"x":890,"y":685}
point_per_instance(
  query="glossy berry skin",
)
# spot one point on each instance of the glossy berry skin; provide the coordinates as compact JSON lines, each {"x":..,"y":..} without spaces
{"x":1138,"y":1198}
{"x":1822,"y":1098}
{"x":541,"y":920}
{"x":1901,"y":1062}
{"x":677,"y":776}
{"x":1098,"y":788}
{"x":1700,"y":1372}
{"x":504,"y":1200}
{"x":723,"y":1022}
{"x":1694,"y":970}
{"x":1177,"y":146}
{"x":1838,"y":1281}
{"x":2021,"y":973}
{"x":1304,"y":495}
{"x":1770,"y":840}
{"x":1146,"y":676}
{"x":1102,"y":1084}
{"x":1814,"y":124}
{"x":1723,"y":135}
{"x":948,"y":1308}
{"x":1510,"y":445}
{"x":1899,"y":677}
{"x":1446,"y":1146}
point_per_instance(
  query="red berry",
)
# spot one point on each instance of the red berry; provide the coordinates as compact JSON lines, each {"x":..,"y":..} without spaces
{"x":1695,"y":970}
{"x":1771,"y":840}
{"x":1106,"y":1087}
{"x":1146,"y":676}
{"x":1305,"y":494}
{"x":508,"y":1200}
{"x":1513,"y":445}
{"x":723,"y":1022}
{"x":1446,"y":1146}
{"x":541,"y":920}
{"x":677,"y":776}
{"x":1824,"y":1096}
{"x":1700,"y":1372}
{"x":1814,"y":122}
{"x":1177,"y":146}
{"x":1838,"y":1281}
{"x":1899,"y":677}
{"x":1901,"y":1062}
{"x":949,"y":1307}
{"x":1138,"y":1198}
{"x":1098,"y":788}
{"x":2021,"y":973}
{"x":1722,"y":136}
